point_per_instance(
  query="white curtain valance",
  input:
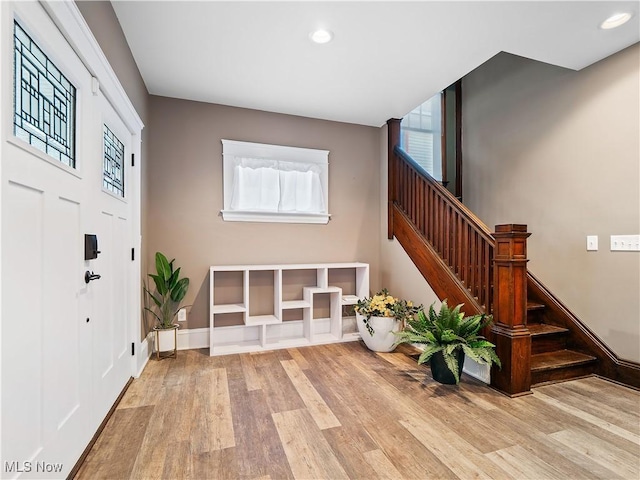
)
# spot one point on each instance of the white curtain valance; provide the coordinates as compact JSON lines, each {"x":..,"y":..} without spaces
{"x":274,"y":183}
{"x":276,"y":186}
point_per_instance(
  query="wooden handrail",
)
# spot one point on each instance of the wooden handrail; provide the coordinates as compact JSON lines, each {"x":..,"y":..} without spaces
{"x":456,"y":234}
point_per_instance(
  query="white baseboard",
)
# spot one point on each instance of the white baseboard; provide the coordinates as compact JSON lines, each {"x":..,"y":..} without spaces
{"x":145,"y":347}
{"x":192,"y":338}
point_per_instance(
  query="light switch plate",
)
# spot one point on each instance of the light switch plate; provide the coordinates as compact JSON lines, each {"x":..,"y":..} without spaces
{"x":182,"y":315}
{"x":592,"y":242}
{"x":625,"y":243}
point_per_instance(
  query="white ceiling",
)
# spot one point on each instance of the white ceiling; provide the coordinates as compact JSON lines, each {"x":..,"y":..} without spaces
{"x":386,"y":57}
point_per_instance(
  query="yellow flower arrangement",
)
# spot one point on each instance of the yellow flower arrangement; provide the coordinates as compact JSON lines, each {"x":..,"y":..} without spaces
{"x":382,"y":304}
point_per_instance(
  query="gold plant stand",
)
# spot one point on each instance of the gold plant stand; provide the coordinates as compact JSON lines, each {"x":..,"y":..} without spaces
{"x":167,"y":353}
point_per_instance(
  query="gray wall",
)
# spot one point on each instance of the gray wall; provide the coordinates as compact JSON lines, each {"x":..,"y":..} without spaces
{"x":186,"y":196}
{"x":559,"y":150}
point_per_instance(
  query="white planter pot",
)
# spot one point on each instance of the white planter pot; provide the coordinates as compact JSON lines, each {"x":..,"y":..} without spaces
{"x":166,"y":339}
{"x":383,"y":332}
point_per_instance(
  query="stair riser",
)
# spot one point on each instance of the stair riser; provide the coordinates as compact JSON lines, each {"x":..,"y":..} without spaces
{"x":535,"y":316}
{"x":560,"y":374}
{"x":548,"y":343}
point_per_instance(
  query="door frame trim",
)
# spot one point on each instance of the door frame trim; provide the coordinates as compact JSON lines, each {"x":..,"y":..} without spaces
{"x":68,"y":18}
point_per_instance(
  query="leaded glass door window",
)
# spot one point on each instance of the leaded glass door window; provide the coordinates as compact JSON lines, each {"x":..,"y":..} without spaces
{"x":44,"y":101}
{"x":113,"y":163}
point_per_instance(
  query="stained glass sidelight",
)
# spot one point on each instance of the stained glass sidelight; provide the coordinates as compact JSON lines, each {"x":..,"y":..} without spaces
{"x":113,"y":163}
{"x":44,"y":101}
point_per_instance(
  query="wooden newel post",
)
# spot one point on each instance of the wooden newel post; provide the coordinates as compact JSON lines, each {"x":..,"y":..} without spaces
{"x":393,"y":139}
{"x":509,"y":331}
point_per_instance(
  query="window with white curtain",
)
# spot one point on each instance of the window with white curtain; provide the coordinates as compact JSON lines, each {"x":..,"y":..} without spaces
{"x":274,"y":183}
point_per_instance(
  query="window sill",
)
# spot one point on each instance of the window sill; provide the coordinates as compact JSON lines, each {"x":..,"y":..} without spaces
{"x":274,"y":217}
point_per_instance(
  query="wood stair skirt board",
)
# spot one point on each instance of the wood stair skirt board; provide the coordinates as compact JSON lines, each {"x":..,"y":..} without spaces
{"x":432,"y":267}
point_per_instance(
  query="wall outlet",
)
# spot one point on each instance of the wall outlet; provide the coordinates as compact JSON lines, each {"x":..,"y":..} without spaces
{"x":182,"y":315}
{"x":592,"y":242}
{"x":625,"y":243}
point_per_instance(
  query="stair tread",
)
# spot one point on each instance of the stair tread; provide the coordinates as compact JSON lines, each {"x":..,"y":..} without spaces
{"x":559,"y":359}
{"x":544,"y":329}
{"x":534,"y":306}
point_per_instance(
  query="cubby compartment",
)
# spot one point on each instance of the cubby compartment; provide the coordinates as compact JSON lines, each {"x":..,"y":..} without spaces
{"x":286,"y":334}
{"x":264,"y":286}
{"x":349,"y":325}
{"x":345,"y":278}
{"x":232,"y":319}
{"x":293,"y":281}
{"x":321,"y":305}
{"x":227,"y":291}
{"x":353,"y":283}
{"x":293,"y":315}
{"x":236,"y":339}
{"x":263,"y":307}
{"x":325,"y":313}
{"x":348,"y":319}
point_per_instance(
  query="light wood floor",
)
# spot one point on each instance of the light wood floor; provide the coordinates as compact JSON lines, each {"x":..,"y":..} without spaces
{"x":340,"y":411}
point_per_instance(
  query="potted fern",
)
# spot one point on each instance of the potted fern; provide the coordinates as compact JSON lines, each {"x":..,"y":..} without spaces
{"x":170,"y":291}
{"x":447,"y":337}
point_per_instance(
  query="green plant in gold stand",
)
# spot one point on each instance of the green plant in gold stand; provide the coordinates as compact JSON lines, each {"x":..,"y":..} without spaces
{"x":170,"y":291}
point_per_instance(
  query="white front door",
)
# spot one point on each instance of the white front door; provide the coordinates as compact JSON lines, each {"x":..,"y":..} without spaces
{"x":111,"y":220}
{"x":66,"y":344}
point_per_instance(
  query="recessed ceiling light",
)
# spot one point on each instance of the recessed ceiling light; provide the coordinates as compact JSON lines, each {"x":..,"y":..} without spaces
{"x":321,"y":36}
{"x":615,"y":20}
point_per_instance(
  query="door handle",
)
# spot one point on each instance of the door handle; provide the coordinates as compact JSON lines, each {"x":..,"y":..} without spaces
{"x":88,"y":276}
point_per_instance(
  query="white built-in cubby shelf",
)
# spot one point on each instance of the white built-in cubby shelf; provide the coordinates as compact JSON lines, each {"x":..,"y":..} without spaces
{"x":267,"y":307}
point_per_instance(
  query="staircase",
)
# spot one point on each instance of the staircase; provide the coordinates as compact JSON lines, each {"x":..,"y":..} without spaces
{"x":552,"y":359}
{"x":538,"y":339}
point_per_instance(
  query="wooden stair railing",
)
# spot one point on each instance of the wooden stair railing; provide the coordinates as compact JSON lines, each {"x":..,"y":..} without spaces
{"x":536,"y":337}
{"x":454,"y":251}
{"x":457,"y":236}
